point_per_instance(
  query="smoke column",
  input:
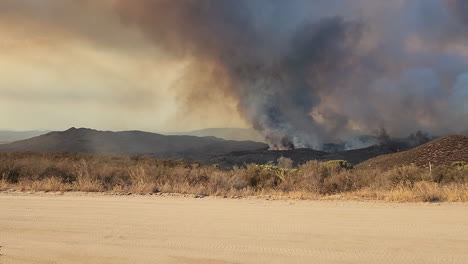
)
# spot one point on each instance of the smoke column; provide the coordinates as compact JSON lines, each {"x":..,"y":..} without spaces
{"x":274,"y":70}
{"x":306,"y":72}
{"x":309,"y":71}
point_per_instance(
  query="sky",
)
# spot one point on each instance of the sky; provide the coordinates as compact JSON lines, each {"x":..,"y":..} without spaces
{"x":66,"y":64}
{"x":302,"y":72}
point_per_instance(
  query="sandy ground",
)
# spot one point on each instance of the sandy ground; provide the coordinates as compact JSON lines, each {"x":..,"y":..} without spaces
{"x":131,"y":229}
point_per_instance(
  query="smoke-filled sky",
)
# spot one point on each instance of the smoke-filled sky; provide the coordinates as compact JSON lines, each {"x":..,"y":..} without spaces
{"x":302,"y":72}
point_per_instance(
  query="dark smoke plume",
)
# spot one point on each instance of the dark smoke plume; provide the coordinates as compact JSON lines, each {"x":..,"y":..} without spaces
{"x":305,"y":72}
{"x":324,"y":76}
{"x":460,"y":8}
{"x":276,"y":81}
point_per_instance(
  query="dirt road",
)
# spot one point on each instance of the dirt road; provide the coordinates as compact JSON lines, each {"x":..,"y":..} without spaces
{"x":120,"y":229}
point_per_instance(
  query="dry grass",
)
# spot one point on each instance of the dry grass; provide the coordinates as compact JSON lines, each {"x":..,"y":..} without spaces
{"x":314,"y":180}
{"x":420,"y":192}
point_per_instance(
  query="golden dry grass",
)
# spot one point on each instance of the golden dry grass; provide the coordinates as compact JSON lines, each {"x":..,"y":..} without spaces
{"x":62,"y":172}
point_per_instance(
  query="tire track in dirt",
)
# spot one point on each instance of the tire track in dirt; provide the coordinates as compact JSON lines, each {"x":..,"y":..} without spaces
{"x":123,"y":230}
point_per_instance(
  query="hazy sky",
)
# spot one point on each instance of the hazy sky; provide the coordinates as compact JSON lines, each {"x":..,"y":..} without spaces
{"x":299,"y":71}
{"x":65,"y":64}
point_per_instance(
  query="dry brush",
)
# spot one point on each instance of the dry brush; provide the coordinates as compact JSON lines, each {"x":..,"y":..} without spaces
{"x":64,"y":172}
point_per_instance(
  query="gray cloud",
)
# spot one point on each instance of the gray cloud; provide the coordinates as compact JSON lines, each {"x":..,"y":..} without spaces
{"x":302,"y":72}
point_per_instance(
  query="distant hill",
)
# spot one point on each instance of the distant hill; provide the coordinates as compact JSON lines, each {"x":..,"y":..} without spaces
{"x":12,"y":136}
{"x":131,"y":142}
{"x":442,"y":151}
{"x":207,"y":150}
{"x":238,"y":134}
{"x":300,"y":156}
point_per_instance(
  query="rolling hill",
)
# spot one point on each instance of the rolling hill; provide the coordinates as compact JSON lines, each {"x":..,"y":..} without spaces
{"x":300,"y":156}
{"x":442,"y":151}
{"x":130,"y":142}
{"x":207,"y":150}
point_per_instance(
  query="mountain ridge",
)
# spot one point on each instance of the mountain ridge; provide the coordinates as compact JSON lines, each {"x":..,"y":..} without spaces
{"x":134,"y":142}
{"x":237,"y":134}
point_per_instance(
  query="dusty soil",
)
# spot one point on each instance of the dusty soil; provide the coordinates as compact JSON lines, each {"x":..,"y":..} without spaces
{"x":74,"y":228}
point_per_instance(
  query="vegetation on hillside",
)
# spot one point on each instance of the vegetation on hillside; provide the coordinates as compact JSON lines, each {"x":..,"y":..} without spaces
{"x":442,"y":151}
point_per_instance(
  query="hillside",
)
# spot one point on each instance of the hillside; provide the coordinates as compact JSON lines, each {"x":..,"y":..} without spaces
{"x":12,"y":136}
{"x":442,"y":151}
{"x":130,"y":142}
{"x":300,"y":156}
{"x":238,"y":134}
{"x":208,"y":150}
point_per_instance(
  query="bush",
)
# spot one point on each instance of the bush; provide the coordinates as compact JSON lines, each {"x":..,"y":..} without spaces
{"x":338,"y":183}
{"x":314,"y":174}
{"x":407,"y":175}
{"x":97,"y":173}
{"x":285,"y":163}
{"x":343,"y":164}
{"x":449,"y":174}
{"x":460,"y":165}
{"x":262,"y":176}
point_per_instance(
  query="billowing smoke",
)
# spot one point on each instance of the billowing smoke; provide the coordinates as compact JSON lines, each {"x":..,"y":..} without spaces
{"x":306,"y":72}
{"x":275,"y":71}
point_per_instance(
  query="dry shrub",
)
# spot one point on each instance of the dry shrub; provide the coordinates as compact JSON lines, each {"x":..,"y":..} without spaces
{"x":313,"y":175}
{"x":456,"y":192}
{"x":420,"y":192}
{"x":124,"y":174}
{"x":261,"y":177}
{"x":285,"y":163}
{"x":341,"y":182}
{"x":450,"y":174}
{"x":53,"y":184}
{"x":407,"y":175}
{"x":236,"y":181}
{"x":141,"y":181}
{"x":86,"y":181}
{"x":325,"y":177}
